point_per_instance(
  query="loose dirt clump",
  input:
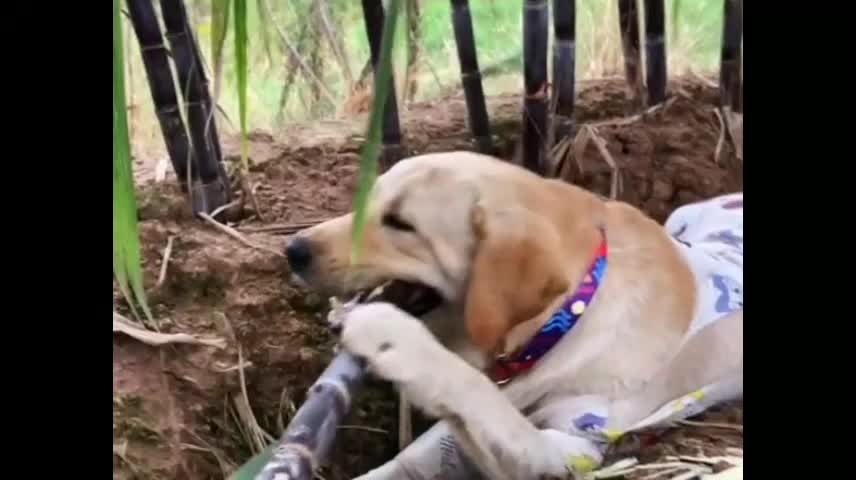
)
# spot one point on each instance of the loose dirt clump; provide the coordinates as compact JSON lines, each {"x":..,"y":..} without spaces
{"x":177,"y":408}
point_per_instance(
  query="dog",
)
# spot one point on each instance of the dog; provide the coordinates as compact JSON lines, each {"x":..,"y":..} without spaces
{"x":550,"y":321}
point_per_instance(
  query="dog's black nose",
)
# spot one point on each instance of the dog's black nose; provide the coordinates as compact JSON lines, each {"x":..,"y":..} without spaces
{"x":299,"y":254}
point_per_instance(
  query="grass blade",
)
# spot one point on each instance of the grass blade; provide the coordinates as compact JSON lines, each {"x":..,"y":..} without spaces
{"x":264,"y":31}
{"x":241,"y":70}
{"x":249,"y":470}
{"x":676,"y":15}
{"x":126,"y":243}
{"x":219,"y":28}
{"x":371,"y":149}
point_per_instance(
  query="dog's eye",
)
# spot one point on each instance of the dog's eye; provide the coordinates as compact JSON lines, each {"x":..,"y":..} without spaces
{"x":392,"y":220}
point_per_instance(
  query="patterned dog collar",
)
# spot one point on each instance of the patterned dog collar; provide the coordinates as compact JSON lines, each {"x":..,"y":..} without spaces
{"x":506,"y":367}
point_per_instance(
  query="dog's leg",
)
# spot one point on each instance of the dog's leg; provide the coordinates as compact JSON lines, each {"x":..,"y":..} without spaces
{"x":494,"y":435}
{"x":714,"y":354}
{"x":434,"y":455}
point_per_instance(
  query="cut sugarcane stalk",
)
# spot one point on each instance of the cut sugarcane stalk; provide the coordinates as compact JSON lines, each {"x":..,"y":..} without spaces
{"x":729,"y":70}
{"x":655,"y":51}
{"x":392,"y":151}
{"x":535,"y":30}
{"x":309,"y":437}
{"x":211,"y":190}
{"x":471,"y":76}
{"x":564,"y":66}
{"x":156,"y":61}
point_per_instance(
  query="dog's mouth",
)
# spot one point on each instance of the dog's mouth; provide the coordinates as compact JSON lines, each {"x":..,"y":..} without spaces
{"x":415,"y":298}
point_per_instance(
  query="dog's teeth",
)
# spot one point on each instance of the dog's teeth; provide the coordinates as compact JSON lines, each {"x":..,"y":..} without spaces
{"x":353,"y":301}
{"x":378,"y":291}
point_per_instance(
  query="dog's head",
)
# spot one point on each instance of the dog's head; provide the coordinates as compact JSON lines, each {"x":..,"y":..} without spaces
{"x":486,"y":241}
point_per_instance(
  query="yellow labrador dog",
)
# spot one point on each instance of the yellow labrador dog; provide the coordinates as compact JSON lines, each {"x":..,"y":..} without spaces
{"x":543,"y":320}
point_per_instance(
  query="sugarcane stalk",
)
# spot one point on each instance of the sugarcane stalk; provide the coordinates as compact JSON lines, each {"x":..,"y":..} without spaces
{"x":161,"y":84}
{"x":462,"y":23}
{"x":535,"y":29}
{"x":628,"y":20}
{"x":211,"y":191}
{"x":391,"y":137}
{"x":655,"y":50}
{"x":310,"y":435}
{"x":729,"y":70}
{"x":564,"y":66}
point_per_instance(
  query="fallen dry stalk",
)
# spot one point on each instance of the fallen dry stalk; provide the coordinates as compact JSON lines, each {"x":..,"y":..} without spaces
{"x":237,"y":235}
{"x":617,"y":122}
{"x":692,"y":468}
{"x":732,"y":118}
{"x":166,"y":256}
{"x":287,"y":228}
{"x":727,"y":426}
{"x":222,"y":208}
{"x":255,"y":434}
{"x":251,"y":193}
{"x":589,"y":133}
{"x":721,"y":140}
{"x":138,"y":332}
{"x":727,"y":128}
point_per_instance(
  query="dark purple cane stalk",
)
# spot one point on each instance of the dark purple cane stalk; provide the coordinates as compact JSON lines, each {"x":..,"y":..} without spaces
{"x":564,"y":65}
{"x":535,"y":30}
{"x":310,"y":435}
{"x":628,"y":22}
{"x":392,"y":150}
{"x":211,"y":191}
{"x":655,"y":49}
{"x":462,"y":23}
{"x":161,"y":83}
{"x":730,"y":88}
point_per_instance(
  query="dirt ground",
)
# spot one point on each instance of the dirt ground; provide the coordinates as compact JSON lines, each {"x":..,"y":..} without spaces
{"x":179,"y":410}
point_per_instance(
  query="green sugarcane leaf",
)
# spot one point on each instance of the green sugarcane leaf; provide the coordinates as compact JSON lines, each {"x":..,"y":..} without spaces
{"x":241,"y":42}
{"x":126,"y":243}
{"x":265,"y":31}
{"x":219,"y":28}
{"x":371,"y":149}
{"x":253,"y":466}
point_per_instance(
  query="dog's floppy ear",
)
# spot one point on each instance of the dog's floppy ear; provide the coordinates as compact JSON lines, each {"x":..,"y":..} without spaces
{"x":517,"y":271}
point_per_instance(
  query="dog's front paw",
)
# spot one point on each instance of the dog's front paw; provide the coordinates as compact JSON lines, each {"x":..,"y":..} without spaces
{"x":391,"y":341}
{"x":399,"y":348}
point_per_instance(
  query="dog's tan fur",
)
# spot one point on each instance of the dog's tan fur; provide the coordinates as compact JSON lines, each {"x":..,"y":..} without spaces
{"x":505,"y":247}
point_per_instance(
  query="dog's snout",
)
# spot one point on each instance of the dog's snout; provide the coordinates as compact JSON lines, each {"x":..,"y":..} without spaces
{"x":299,"y":253}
